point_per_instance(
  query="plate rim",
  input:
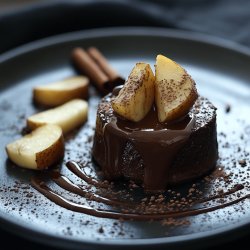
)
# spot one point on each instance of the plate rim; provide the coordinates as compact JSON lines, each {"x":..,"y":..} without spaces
{"x":18,"y":228}
{"x":126,"y":30}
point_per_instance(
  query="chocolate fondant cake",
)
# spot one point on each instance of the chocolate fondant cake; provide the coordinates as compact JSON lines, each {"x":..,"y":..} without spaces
{"x":155,"y":129}
{"x":153,"y":153}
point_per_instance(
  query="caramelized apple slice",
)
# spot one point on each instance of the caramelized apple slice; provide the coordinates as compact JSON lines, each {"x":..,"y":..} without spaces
{"x":68,"y":116}
{"x":38,"y":150}
{"x":175,"y":90}
{"x":137,"y":95}
{"x":58,"y":93}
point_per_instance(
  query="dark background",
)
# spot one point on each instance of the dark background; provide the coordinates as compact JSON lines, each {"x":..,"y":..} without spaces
{"x":25,"y":21}
{"x":20,"y":24}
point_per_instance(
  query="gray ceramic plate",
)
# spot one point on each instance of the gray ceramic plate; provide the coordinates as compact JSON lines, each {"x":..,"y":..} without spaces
{"x":221,"y":70}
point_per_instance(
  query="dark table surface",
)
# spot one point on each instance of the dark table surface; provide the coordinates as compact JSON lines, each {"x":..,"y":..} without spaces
{"x":27,"y":20}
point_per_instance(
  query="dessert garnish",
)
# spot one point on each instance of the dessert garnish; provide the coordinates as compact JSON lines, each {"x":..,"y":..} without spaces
{"x":151,"y":207}
{"x":60,"y":92}
{"x":175,"y":90}
{"x":68,"y":116}
{"x":42,"y":148}
{"x":136,"y":97}
{"x":93,"y":64}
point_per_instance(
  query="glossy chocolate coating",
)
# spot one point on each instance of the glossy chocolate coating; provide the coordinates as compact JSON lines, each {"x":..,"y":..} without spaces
{"x":153,"y":153}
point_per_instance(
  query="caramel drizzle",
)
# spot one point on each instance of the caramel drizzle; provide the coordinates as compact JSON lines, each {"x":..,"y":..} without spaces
{"x":131,"y":214}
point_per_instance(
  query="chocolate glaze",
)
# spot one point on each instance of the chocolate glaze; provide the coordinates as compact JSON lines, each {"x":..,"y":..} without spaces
{"x":68,"y":185}
{"x":131,"y":212}
{"x":155,"y":153}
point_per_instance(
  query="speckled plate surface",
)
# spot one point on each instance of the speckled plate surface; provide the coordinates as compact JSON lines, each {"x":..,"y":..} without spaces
{"x":221,"y":70}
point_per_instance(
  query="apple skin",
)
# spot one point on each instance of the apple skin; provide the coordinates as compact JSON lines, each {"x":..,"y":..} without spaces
{"x":38,"y":150}
{"x":58,"y":93}
{"x":136,"y":97}
{"x":175,"y":90}
{"x":68,"y":116}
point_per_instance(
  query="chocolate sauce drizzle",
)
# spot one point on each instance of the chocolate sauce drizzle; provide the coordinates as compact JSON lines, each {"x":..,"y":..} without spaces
{"x":123,"y":209}
{"x":151,"y":139}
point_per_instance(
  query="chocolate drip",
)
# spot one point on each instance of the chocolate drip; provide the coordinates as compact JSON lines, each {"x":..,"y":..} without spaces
{"x":236,"y":188}
{"x":68,"y":185}
{"x":130,"y":213}
{"x":75,"y":168}
{"x":152,"y":140}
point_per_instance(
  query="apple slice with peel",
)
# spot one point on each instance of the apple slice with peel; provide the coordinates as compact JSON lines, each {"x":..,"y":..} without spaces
{"x":136,"y":97}
{"x":68,"y":116}
{"x":57,"y":93}
{"x":38,"y":150}
{"x":175,"y":90}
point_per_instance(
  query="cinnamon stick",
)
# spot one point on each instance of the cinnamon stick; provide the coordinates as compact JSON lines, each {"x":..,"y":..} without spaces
{"x":96,"y":67}
{"x":88,"y":66}
{"x":103,"y":63}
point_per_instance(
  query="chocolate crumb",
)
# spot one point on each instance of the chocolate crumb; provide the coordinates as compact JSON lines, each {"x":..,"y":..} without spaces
{"x":228,"y":108}
{"x":243,"y":162}
{"x":101,"y":230}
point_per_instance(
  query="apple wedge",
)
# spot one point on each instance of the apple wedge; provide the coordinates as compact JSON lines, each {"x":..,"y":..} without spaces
{"x":68,"y":116}
{"x":136,"y":97}
{"x":38,"y":150}
{"x":175,"y":90}
{"x":58,"y":93}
